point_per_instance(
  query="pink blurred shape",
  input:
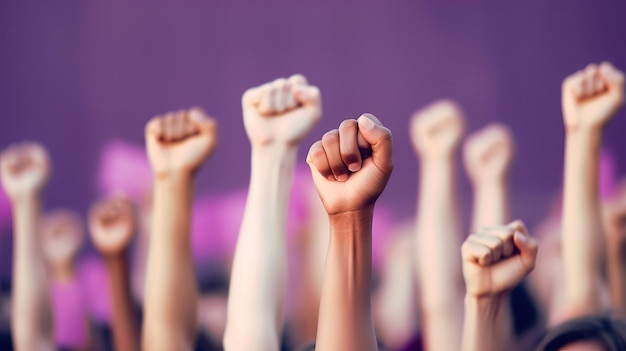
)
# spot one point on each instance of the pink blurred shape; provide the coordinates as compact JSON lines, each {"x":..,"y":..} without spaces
{"x":94,"y":281}
{"x":5,"y":210}
{"x":607,"y":173}
{"x":70,"y":317}
{"x":382,"y":227}
{"x":124,"y":167}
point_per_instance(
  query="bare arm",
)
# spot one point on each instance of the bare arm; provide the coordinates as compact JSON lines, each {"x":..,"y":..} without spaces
{"x":350,"y":167}
{"x":25,"y":169}
{"x":277,"y":116}
{"x":436,"y":133}
{"x":112,"y":229}
{"x":590,"y":98}
{"x":487,"y":155}
{"x":177,"y":145}
{"x":615,"y":226}
{"x":495,"y":260}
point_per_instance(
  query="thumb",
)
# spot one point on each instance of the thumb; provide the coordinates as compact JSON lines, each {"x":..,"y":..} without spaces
{"x":527,"y":247}
{"x":306,"y":94}
{"x":379,"y":138}
{"x":204,"y":123}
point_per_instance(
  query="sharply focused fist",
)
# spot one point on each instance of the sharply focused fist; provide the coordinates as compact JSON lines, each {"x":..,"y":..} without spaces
{"x":112,"y":224}
{"x":284,"y":110}
{"x":437,"y":129}
{"x":488,"y":152}
{"x":592,"y":96}
{"x":351,"y":165}
{"x":179,"y":142}
{"x":61,"y":237}
{"x":496,"y":259}
{"x":24,"y":168}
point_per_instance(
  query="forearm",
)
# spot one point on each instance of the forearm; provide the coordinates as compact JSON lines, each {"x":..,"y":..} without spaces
{"x":582,"y":237}
{"x":32,"y":311}
{"x":487,"y":325}
{"x":171,"y":291}
{"x":258,"y":280}
{"x":490,"y":203}
{"x":438,"y":239}
{"x":616,"y":272}
{"x":345,"y":321}
{"x":124,"y":320}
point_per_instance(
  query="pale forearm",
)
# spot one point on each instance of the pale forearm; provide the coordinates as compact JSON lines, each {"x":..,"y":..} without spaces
{"x":490,"y":204}
{"x":438,"y":239}
{"x":345,"y":321}
{"x":125,"y":325}
{"x":171,"y":291}
{"x":582,"y":237}
{"x":259,"y":274}
{"x":487,"y":325}
{"x":31,"y":316}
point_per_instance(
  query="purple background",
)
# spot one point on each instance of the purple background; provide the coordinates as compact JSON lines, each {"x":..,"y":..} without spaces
{"x":76,"y":74}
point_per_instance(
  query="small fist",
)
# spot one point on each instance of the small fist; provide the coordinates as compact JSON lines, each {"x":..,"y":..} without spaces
{"x":62,"y":237}
{"x":351,"y":165}
{"x":24,"y":169}
{"x":496,"y":259}
{"x":591,"y":96}
{"x":112,"y":224}
{"x":437,"y":129}
{"x":488,"y":153}
{"x":284,"y":110}
{"x":179,"y":142}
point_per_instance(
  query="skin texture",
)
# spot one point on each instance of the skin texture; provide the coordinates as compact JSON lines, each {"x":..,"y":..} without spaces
{"x":24,"y":169}
{"x":488,"y":153}
{"x":436,"y":133}
{"x":495,"y":260}
{"x":350,"y":168}
{"x":112,"y":228}
{"x":62,"y":237}
{"x":590,"y":98}
{"x":277,"y":116}
{"x":178,"y":144}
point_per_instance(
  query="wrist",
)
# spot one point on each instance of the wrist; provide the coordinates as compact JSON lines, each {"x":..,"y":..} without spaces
{"x":488,"y":183}
{"x":584,"y":133}
{"x":489,"y":306}
{"x":437,"y":158}
{"x":352,"y":223}
{"x":274,"y":151}
{"x":25,"y":199}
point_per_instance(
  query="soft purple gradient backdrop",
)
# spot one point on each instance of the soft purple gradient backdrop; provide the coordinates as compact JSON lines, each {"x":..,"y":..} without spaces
{"x":77,"y":74}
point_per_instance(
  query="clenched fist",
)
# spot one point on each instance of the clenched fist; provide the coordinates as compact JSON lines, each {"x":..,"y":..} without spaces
{"x":62,"y":237}
{"x":284,"y":110}
{"x":591,"y":96}
{"x":179,"y":142}
{"x":437,"y":129}
{"x":112,"y":224}
{"x":496,"y":259}
{"x":24,"y":169}
{"x":488,"y":153}
{"x":351,"y":165}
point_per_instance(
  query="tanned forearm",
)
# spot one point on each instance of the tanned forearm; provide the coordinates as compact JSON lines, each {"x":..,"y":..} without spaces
{"x":124,"y":319}
{"x":345,"y":313}
{"x":171,"y":289}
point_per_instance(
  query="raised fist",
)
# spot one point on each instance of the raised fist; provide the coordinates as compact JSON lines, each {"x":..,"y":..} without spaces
{"x":25,"y":168}
{"x":112,"y":224}
{"x":284,"y":110}
{"x":179,"y":142}
{"x":488,"y":153}
{"x":62,"y":237}
{"x":591,"y":96}
{"x":351,"y":165}
{"x":496,"y":259}
{"x":437,"y":129}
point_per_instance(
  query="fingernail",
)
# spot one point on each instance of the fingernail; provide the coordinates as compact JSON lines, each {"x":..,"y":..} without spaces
{"x":521,"y":237}
{"x":366,"y":123}
{"x":342,"y":177}
{"x":353,"y":167}
{"x":331,"y":178}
